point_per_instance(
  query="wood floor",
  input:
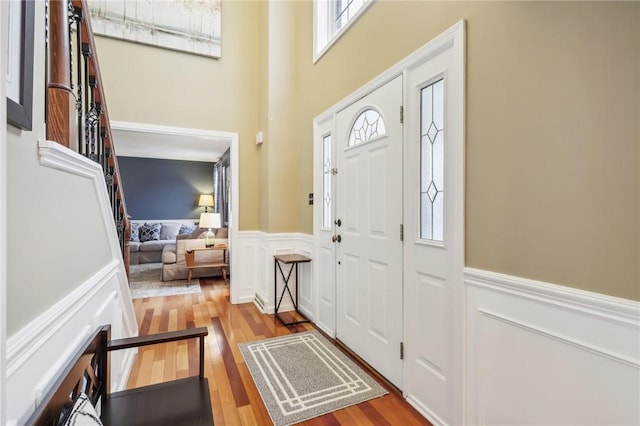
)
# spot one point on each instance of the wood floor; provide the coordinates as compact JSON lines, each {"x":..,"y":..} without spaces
{"x":234,"y":397}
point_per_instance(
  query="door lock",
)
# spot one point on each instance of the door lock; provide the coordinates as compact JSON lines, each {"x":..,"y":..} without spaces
{"x":336,"y":238}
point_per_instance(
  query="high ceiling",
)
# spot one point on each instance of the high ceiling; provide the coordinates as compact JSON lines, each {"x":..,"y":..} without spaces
{"x":151,"y":141}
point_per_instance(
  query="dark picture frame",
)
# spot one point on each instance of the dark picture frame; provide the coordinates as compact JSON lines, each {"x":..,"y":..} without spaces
{"x":20,"y":111}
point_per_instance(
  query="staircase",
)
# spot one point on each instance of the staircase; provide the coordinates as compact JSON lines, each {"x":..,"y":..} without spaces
{"x":76,"y":108}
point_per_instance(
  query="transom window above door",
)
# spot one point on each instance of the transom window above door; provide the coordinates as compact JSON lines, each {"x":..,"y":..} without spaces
{"x":367,"y":126}
{"x":331,"y":19}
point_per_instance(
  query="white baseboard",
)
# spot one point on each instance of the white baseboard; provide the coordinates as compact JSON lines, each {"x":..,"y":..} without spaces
{"x":254,"y":254}
{"x":539,"y":353}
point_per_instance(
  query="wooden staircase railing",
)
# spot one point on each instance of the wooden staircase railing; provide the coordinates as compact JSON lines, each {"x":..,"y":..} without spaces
{"x":76,"y":111}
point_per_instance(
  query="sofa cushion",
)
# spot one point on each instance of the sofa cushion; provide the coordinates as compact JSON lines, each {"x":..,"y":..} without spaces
{"x":135,"y":232}
{"x":169,"y":231}
{"x":187,"y":244}
{"x":222,"y":233}
{"x":154,"y":245}
{"x":150,"y":232}
{"x":169,"y":253}
{"x":186,"y":229}
{"x":134,"y":246}
{"x":198,"y":233}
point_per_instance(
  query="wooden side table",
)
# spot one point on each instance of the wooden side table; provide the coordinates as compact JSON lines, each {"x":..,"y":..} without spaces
{"x":193,"y":263}
{"x":293,"y":260}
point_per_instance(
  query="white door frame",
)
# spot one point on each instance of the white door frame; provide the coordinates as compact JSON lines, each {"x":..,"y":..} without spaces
{"x":453,"y":37}
{"x":232,"y":139}
{"x":3,"y":219}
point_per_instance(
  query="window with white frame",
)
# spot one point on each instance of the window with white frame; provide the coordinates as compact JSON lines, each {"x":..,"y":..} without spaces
{"x":331,"y":20}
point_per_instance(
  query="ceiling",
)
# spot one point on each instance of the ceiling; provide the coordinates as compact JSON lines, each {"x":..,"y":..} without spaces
{"x":174,"y":143}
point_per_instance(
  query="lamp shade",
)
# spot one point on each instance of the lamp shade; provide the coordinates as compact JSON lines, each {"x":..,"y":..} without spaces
{"x":206,"y":200}
{"x":210,"y":220}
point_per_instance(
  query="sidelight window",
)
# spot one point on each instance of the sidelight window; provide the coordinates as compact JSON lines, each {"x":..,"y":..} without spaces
{"x":432,"y":162}
{"x":327,"y":175}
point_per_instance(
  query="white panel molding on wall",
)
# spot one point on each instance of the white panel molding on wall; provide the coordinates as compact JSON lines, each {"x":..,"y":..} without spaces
{"x":254,"y":280}
{"x":539,"y":353}
{"x":37,"y":352}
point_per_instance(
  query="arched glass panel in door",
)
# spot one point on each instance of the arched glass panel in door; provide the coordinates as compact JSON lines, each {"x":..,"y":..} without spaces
{"x":367,"y":126}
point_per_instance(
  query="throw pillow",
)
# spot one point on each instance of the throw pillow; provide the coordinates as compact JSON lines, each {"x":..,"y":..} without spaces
{"x":150,"y":232}
{"x":222,"y":233}
{"x":83,"y":413}
{"x":135,"y":232}
{"x":169,"y":231}
{"x":186,"y":229}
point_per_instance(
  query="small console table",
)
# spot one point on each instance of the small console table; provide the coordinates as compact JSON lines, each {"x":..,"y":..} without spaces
{"x":293,"y":260}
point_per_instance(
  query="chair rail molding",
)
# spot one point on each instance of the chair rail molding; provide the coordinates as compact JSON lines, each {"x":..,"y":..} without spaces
{"x":539,"y":351}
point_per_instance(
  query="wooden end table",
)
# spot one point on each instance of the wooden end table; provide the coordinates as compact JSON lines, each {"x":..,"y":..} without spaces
{"x":193,"y":263}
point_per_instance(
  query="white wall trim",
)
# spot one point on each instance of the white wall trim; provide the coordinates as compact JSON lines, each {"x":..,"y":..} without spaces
{"x":257,"y":248}
{"x":169,"y":130}
{"x":56,"y":156}
{"x":575,"y":345}
{"x":30,"y":339}
{"x":423,"y":54}
{"x":4,"y":19}
{"x":613,"y":308}
{"x":37,"y":352}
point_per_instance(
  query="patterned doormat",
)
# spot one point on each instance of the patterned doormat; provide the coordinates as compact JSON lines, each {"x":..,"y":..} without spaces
{"x":144,"y":281}
{"x":301,"y":376}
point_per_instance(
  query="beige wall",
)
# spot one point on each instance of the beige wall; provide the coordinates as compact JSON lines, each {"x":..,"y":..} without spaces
{"x":552,"y":128}
{"x":157,"y":86}
{"x":52,"y":218}
{"x":552,"y":184}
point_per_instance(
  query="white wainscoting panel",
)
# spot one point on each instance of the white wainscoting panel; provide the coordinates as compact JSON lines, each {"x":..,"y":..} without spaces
{"x":256,"y":275}
{"x":539,"y":353}
{"x":37,"y":352}
{"x":40,"y":350}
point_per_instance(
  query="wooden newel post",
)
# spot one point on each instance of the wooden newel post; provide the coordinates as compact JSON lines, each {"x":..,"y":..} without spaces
{"x":60,"y":98}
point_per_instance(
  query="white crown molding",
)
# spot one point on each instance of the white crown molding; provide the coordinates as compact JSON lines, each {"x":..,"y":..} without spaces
{"x":170,"y":130}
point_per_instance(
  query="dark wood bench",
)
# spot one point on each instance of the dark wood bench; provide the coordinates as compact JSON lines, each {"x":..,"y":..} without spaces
{"x":176,"y":402}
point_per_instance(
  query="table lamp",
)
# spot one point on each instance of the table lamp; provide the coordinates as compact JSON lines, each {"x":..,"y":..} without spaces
{"x":206,"y":201}
{"x":209,"y":220}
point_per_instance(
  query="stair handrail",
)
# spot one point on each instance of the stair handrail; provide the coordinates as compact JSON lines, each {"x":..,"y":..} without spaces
{"x":79,"y":119}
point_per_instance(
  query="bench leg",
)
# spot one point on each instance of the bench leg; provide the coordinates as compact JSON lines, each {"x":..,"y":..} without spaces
{"x":189,"y":277}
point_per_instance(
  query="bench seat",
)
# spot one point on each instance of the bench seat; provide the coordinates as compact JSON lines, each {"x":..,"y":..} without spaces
{"x":184,"y":401}
{"x":175,"y":403}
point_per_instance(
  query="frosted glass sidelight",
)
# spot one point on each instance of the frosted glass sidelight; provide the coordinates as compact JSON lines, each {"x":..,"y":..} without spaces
{"x":367,"y":126}
{"x":327,"y":174}
{"x":432,"y":162}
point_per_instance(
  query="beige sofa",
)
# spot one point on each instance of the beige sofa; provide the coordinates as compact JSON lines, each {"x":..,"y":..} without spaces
{"x":174,"y":266}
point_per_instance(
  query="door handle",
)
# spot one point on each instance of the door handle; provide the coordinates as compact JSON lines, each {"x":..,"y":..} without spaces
{"x":336,"y":238}
{"x":338,"y":222}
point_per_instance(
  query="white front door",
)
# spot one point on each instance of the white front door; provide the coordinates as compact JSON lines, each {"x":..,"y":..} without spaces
{"x":369,"y":283}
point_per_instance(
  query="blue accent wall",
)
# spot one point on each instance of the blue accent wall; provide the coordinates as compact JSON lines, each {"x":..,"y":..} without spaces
{"x":164,"y":189}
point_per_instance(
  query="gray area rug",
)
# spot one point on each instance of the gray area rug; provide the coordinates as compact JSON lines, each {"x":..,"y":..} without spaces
{"x":303,"y":375}
{"x":144,"y":281}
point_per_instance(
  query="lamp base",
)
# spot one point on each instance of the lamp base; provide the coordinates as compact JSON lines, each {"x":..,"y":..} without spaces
{"x":209,"y":238}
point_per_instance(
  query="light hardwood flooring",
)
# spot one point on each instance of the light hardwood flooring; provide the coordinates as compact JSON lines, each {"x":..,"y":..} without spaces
{"x":234,"y":397}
